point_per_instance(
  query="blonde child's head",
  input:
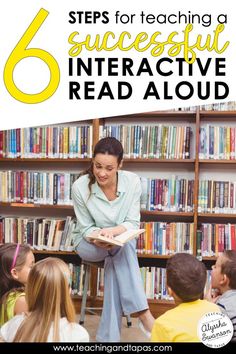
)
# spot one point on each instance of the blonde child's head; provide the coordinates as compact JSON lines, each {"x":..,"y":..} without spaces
{"x":16,"y":261}
{"x":223,"y":275}
{"x":48,"y":298}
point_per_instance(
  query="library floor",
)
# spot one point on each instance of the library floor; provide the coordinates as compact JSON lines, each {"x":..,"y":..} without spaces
{"x":131,"y":334}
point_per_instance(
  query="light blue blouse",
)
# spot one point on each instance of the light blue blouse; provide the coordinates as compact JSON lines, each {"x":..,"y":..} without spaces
{"x":94,"y":211}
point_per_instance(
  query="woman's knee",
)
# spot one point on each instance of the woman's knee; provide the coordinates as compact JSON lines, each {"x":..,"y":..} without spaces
{"x":90,"y":252}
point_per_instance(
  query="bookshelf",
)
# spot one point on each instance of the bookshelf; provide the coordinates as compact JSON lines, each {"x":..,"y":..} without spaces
{"x":197,"y":167}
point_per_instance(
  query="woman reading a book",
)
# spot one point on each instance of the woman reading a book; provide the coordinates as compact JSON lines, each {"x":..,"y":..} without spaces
{"x":107,"y":202}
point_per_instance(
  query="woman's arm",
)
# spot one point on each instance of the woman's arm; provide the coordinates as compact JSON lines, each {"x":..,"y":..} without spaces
{"x":85,"y":223}
{"x":132,"y":219}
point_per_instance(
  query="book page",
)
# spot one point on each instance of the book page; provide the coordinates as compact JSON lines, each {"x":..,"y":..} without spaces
{"x":127,"y":235}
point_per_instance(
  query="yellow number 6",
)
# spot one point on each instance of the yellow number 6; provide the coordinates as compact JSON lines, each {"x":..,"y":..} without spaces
{"x":20,"y":52}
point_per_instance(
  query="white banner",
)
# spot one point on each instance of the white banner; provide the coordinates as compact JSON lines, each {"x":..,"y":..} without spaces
{"x":71,"y":60}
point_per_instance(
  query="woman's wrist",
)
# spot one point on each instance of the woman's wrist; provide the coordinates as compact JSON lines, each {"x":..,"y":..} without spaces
{"x":115,"y":231}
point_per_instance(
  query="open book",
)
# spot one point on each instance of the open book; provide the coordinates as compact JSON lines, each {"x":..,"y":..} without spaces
{"x":119,"y":240}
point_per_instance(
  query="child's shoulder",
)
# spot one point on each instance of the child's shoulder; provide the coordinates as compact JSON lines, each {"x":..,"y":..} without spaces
{"x":228,"y":299}
{"x":13,"y":297}
{"x":9,"y":329}
{"x":72,"y":332}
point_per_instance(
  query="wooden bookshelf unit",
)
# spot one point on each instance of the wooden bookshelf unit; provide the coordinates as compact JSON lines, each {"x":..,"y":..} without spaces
{"x":193,"y":165}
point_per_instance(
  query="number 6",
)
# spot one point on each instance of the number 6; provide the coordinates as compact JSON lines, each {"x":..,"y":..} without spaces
{"x":20,"y":52}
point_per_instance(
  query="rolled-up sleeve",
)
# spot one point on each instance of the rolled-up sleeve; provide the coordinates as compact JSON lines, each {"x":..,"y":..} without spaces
{"x":85,"y":223}
{"x":132,"y":219}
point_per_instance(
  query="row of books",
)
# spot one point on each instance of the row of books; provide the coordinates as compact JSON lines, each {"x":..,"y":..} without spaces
{"x":154,"y":282}
{"x":57,"y":234}
{"x":217,"y":142}
{"x":173,"y":194}
{"x":41,"y":233}
{"x":159,"y":141}
{"x":36,"y":187}
{"x":153,"y":278}
{"x":222,"y":106}
{"x":169,"y":195}
{"x":77,"y":279}
{"x":139,"y":141}
{"x":215,"y":238}
{"x":160,"y":238}
{"x":47,"y":142}
{"x":217,"y":197}
{"x":165,"y":238}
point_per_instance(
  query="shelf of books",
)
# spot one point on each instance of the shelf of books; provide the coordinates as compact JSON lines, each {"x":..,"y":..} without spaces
{"x":185,"y":160}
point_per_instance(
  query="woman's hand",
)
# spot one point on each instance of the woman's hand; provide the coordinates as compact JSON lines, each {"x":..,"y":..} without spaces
{"x":107,"y":232}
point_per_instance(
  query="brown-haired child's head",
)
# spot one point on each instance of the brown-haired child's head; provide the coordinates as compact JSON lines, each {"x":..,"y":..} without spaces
{"x":15,"y":263}
{"x":186,"y":277}
{"x":223,"y":275}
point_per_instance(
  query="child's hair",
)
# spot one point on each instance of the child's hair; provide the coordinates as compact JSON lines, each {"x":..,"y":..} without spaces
{"x":186,"y":276}
{"x":12,"y":255}
{"x":48,"y":299}
{"x":108,"y":145}
{"x":228,"y":267}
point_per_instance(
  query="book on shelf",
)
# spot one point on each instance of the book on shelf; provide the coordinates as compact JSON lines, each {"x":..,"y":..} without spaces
{"x":119,"y":240}
{"x":60,"y":142}
{"x":151,"y":141}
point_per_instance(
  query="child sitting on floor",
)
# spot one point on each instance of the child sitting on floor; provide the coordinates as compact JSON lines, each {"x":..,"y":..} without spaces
{"x":223,"y":280}
{"x":186,"y":278}
{"x":16,"y":261}
{"x":51,"y":316}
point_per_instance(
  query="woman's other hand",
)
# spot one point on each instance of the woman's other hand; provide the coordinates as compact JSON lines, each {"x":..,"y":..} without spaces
{"x":107,"y":232}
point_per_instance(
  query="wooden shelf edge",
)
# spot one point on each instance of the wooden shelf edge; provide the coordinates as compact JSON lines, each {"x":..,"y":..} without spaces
{"x":213,"y":259}
{"x":151,"y":301}
{"x":217,"y":216}
{"x":24,"y":205}
{"x":152,"y":256}
{"x":212,"y":162}
{"x":45,"y":252}
{"x":40,"y":160}
{"x":217,"y":114}
{"x":141,"y":256}
{"x":141,"y":160}
{"x":70,"y":207}
{"x":126,"y":160}
{"x":164,"y":213}
{"x":157,"y":114}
